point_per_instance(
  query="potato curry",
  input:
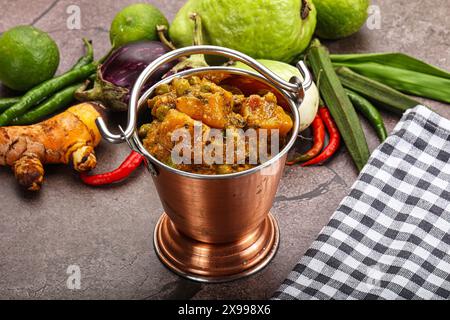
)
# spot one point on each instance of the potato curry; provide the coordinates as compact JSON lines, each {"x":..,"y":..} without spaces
{"x":187,"y":101}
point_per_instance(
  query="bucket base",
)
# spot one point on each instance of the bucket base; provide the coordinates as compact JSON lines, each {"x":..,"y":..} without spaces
{"x":205,"y":262}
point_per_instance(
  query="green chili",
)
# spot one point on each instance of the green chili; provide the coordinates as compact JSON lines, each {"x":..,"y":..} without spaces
{"x":88,"y":57}
{"x":5,"y":103}
{"x":47,"y":88}
{"x":369,"y":111}
{"x":53,"y":104}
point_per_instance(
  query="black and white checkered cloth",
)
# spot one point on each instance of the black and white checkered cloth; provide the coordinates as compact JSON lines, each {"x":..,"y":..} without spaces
{"x":390,"y":238}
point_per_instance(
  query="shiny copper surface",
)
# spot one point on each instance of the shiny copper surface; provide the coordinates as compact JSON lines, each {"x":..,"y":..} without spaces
{"x":218,"y":228}
{"x":216,"y":262}
{"x":218,"y":210}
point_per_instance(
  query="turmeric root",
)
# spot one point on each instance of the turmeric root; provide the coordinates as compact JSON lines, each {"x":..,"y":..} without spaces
{"x":69,"y":137}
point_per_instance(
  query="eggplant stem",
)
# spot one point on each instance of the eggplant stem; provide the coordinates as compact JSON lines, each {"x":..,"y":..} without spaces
{"x":198,"y":37}
{"x":195,"y":60}
{"x":161,"y":29}
{"x":106,"y":56}
{"x":198,"y":32}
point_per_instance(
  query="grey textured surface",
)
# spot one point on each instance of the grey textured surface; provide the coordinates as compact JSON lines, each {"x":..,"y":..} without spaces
{"x":108,"y":232}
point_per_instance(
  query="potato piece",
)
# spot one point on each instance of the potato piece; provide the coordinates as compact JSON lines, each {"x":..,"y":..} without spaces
{"x":218,"y":109}
{"x":175,"y":120}
{"x":159,"y":134}
{"x":264,"y":113}
{"x":213,"y":109}
{"x":192,"y":106}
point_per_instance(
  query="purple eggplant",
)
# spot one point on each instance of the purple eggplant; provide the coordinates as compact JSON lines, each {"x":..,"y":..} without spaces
{"x":117,"y":75}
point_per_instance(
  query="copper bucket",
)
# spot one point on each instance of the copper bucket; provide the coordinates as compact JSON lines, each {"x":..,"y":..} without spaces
{"x":215,"y":228}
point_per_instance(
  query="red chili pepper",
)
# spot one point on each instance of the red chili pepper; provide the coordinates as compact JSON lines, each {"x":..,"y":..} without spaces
{"x":131,"y":163}
{"x":318,"y":129}
{"x":335,"y":139}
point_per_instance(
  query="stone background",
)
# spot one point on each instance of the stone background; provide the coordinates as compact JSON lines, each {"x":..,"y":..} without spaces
{"x":108,"y":232}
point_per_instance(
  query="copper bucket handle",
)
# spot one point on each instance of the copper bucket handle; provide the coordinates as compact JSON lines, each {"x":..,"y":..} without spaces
{"x":295,"y":87}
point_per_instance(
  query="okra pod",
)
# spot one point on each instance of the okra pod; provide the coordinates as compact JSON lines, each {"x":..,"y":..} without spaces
{"x":339,"y":104}
{"x":380,"y":94}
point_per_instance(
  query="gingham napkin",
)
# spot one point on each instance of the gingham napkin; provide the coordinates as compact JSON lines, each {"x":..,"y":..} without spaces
{"x":390,"y":238}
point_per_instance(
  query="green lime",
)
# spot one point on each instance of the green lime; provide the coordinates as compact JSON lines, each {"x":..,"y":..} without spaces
{"x":340,"y":18}
{"x":28,"y":57}
{"x":135,"y":23}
